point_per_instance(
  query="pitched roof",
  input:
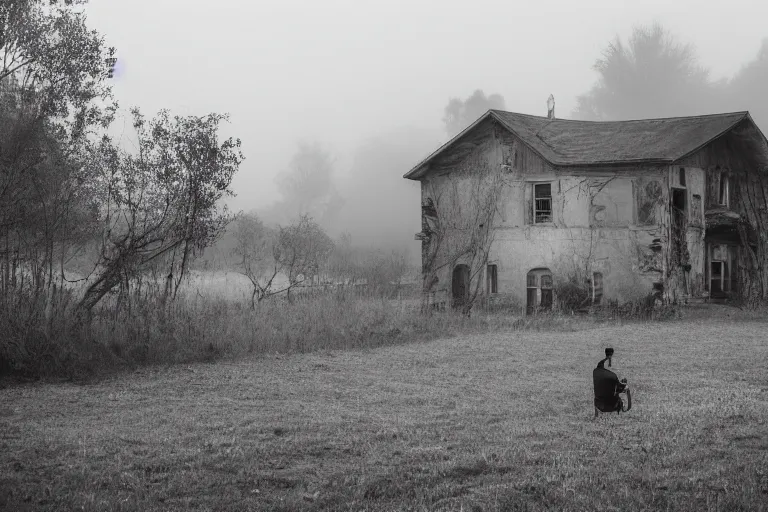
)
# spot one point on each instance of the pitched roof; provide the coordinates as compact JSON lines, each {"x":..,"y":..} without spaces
{"x":565,"y":142}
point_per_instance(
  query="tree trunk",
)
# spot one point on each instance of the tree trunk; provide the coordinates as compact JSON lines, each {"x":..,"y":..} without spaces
{"x":93,"y":295}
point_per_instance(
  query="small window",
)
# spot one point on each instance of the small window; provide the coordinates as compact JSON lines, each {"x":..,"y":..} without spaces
{"x":492,"y":279}
{"x":723,"y":195}
{"x":682,"y":177}
{"x":542,"y":203}
{"x":597,"y":287}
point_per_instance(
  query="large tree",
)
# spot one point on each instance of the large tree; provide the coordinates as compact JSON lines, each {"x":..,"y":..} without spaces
{"x":307,"y":187}
{"x":53,"y":95}
{"x":747,"y":89}
{"x":652,"y":75}
{"x":380,"y":207}
{"x":459,"y":114}
{"x":301,"y":251}
{"x":162,"y":203}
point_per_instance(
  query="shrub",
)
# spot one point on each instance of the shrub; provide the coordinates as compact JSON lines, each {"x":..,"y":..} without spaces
{"x":643,"y":308}
{"x":571,"y":294}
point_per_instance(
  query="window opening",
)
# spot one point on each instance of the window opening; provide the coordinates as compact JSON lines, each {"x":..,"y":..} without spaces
{"x":542,"y":203}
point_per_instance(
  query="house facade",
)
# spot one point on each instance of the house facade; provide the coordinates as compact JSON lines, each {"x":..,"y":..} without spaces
{"x":616,"y":210}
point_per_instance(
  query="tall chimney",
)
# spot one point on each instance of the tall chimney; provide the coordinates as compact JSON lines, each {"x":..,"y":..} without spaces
{"x":551,"y":106}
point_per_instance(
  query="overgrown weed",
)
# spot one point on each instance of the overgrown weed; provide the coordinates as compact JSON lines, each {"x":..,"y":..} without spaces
{"x":41,"y":339}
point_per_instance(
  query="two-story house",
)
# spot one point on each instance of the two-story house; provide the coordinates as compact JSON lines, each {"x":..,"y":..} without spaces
{"x":626,"y":208}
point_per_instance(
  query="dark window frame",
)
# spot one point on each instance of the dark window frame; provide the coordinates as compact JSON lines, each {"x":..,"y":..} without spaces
{"x":542,"y":203}
{"x":540,"y":282}
{"x":492,"y":278}
{"x":724,"y":195}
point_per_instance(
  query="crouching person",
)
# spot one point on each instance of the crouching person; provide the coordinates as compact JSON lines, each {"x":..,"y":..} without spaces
{"x":608,"y":387}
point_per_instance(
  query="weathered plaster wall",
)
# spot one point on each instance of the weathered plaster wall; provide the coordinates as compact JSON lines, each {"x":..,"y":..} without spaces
{"x":594,"y":227}
{"x":608,"y":251}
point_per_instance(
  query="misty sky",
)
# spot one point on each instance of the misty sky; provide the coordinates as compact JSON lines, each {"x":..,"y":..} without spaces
{"x":340,"y":71}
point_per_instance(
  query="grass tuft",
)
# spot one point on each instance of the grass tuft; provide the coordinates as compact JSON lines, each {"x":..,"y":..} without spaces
{"x":488,"y":420}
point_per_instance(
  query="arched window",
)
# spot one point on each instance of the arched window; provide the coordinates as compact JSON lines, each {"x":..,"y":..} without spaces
{"x":539,"y":290}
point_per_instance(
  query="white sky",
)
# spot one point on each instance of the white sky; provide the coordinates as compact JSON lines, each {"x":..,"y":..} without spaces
{"x":338,"y":71}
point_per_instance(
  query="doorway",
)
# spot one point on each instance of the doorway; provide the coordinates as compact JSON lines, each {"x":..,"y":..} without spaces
{"x":723,"y":270}
{"x":460,"y":285}
{"x":679,"y":223}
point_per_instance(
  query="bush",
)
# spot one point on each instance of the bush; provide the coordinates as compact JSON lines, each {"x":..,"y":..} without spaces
{"x":40,"y":338}
{"x":642,"y":308}
{"x":571,"y":295}
{"x":125,"y":331}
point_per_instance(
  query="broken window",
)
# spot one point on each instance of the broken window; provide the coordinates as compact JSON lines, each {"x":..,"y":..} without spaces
{"x":539,"y":290}
{"x":542,"y":203}
{"x":723,"y":266}
{"x":648,"y":198}
{"x":492,"y":279}
{"x":597,"y":287}
{"x":718,"y":279}
{"x":722,"y":197}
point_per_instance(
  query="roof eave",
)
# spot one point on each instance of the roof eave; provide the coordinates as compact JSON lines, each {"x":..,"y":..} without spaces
{"x":418,"y":170}
{"x":614,"y":163}
{"x":744,"y":115}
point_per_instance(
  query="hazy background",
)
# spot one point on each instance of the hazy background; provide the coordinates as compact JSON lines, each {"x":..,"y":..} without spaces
{"x":365,"y":83}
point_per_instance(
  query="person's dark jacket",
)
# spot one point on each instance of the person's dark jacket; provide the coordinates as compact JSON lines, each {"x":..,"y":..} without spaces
{"x":607,"y":387}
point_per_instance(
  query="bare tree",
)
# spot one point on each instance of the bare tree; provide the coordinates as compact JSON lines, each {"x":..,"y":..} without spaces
{"x":301,"y":250}
{"x":162,"y":202}
{"x":459,"y":212}
{"x":254,"y":256}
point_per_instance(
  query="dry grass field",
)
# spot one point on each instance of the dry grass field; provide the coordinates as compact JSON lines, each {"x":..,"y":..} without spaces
{"x":477,"y":422}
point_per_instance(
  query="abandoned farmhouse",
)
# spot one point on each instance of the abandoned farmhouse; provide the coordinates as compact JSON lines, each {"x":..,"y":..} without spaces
{"x":517,"y":207}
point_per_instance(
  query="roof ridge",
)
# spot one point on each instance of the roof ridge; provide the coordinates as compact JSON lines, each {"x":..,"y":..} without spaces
{"x":700,"y":116}
{"x":572,"y":143}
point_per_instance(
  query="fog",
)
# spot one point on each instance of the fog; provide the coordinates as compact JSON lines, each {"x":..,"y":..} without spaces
{"x":365,"y":83}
